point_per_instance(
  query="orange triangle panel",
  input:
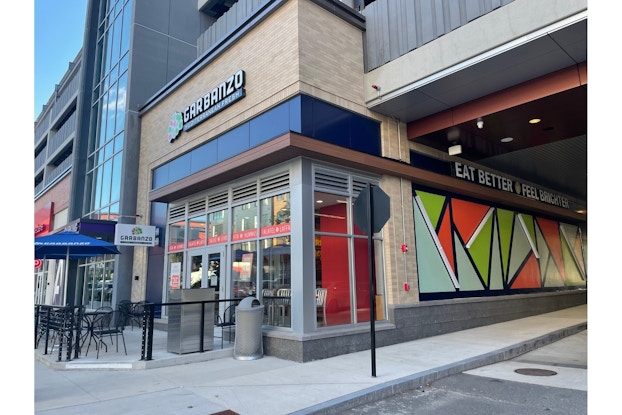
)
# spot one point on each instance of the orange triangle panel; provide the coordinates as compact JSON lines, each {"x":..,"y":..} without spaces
{"x":550,"y":230}
{"x":444,"y":236}
{"x":529,"y":275}
{"x":467,"y":216}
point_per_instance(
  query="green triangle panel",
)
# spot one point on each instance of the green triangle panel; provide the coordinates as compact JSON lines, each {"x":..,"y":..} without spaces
{"x":573,"y":275}
{"x":530,"y":225}
{"x":496,"y":269}
{"x":520,"y":250}
{"x":550,"y":230}
{"x":506,"y":222}
{"x":433,"y":205}
{"x":433,"y":274}
{"x":467,"y":276}
{"x":467,"y":216}
{"x":480,"y":249}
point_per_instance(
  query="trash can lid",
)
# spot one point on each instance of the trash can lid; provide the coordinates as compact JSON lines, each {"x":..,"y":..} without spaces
{"x":248,"y":303}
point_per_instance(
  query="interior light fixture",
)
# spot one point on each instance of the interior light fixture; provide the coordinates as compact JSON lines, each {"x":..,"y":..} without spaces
{"x":319,"y":201}
{"x":534,"y":120}
{"x":480,"y":123}
{"x":507,"y":139}
{"x":455,"y":150}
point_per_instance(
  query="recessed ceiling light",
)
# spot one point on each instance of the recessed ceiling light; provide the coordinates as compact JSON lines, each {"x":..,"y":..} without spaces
{"x":319,"y":201}
{"x":507,"y":139}
{"x":534,"y":120}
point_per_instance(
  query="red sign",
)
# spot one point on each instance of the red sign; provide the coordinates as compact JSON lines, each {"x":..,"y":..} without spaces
{"x":43,"y":219}
{"x":38,"y":263}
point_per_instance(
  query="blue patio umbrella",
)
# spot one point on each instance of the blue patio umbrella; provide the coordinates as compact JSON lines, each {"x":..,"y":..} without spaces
{"x":71,"y":245}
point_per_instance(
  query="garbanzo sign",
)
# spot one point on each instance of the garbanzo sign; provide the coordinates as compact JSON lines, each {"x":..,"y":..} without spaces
{"x":211,"y":103}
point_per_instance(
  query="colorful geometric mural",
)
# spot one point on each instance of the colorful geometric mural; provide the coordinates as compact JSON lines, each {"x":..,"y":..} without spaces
{"x":467,"y":247}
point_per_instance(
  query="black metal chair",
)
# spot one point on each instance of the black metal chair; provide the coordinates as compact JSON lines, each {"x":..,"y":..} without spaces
{"x":62,"y":327}
{"x":107,"y":322}
{"x":125,"y":310}
{"x":137,"y":313}
{"x":226,"y":322}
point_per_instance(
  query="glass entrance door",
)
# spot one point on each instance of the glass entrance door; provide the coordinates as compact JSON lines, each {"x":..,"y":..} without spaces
{"x":195,"y":272}
{"x":215,"y":261}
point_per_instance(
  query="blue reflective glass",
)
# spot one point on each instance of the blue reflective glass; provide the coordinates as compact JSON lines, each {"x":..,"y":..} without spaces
{"x":204,"y":156}
{"x":269,"y":125}
{"x":179,"y":168}
{"x":302,"y":114}
{"x":233,"y":142}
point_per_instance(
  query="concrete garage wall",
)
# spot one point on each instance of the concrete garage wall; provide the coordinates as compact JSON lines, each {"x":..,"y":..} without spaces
{"x":423,"y":320}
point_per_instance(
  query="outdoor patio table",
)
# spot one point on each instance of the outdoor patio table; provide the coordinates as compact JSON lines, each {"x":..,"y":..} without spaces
{"x":88,"y":322}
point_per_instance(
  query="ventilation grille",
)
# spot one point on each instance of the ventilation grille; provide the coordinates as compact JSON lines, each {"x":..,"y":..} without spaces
{"x":198,"y":206}
{"x":331,"y":181}
{"x":218,"y":200}
{"x":178,"y":212}
{"x":274,"y":183}
{"x":245,"y":192}
{"x":358,"y":185}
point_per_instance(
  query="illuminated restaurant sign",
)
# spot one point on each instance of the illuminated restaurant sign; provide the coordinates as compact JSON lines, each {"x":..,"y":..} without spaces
{"x":204,"y":107}
{"x":499,"y":182}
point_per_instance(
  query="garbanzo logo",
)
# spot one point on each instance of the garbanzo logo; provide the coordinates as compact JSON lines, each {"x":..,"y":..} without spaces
{"x":175,"y":125}
{"x":137,"y":231}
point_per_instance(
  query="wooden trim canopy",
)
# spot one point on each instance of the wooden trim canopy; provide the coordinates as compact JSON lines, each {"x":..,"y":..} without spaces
{"x":291,"y":145}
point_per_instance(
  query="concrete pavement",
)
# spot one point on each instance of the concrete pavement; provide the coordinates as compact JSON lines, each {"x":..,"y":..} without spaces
{"x":273,"y":386}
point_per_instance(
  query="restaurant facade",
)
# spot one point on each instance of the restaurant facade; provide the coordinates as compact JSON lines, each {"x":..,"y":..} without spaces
{"x":253,"y":158}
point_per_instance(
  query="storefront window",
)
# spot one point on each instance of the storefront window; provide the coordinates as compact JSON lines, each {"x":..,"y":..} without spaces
{"x":196,"y":231}
{"x":332,"y":268}
{"x":96,"y":279}
{"x":276,"y":281}
{"x":331,"y":214}
{"x":175,"y":266}
{"x":343,"y":288}
{"x":244,"y":269}
{"x":276,"y":264}
{"x":176,"y":236}
{"x":244,"y":222}
{"x":217,"y":228}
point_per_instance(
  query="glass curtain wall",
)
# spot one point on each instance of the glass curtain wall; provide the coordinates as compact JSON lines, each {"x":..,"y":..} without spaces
{"x":106,"y":135}
{"x":105,"y":146}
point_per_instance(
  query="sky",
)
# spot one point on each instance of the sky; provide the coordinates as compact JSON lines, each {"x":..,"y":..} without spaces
{"x":58,"y":35}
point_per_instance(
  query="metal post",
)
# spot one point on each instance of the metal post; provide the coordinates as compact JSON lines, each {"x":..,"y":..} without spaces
{"x":370,"y":261}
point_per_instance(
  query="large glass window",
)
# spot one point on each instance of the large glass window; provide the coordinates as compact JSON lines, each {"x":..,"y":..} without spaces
{"x":342,"y":262}
{"x":244,"y":222}
{"x":217,"y":229}
{"x":176,"y":236}
{"x":244,"y":269}
{"x":96,"y":279}
{"x":196,"y":231}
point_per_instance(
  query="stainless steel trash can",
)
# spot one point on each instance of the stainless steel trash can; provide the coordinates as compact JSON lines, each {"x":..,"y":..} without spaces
{"x":248,"y":336}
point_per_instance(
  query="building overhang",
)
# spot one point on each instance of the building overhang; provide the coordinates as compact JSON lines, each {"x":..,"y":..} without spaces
{"x":291,"y":145}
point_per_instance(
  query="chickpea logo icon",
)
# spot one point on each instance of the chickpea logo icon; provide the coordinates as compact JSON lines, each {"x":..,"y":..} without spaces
{"x":175,"y":125}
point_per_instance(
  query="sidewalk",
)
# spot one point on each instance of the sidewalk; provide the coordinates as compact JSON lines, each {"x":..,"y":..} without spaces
{"x":273,"y":386}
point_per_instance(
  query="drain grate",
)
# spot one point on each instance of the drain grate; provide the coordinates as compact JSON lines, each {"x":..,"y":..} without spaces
{"x":535,"y":372}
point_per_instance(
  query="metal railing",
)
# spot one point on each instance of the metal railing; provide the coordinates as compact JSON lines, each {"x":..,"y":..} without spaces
{"x":148,"y":319}
{"x":63,"y":323}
